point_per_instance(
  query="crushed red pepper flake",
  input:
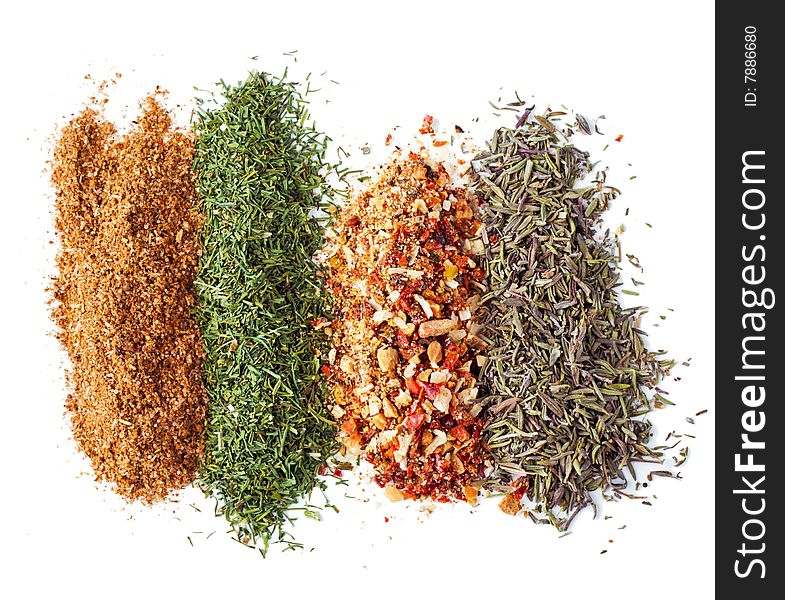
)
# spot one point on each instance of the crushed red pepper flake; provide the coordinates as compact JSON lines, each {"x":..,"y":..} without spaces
{"x":427,"y":125}
{"x":123,"y":299}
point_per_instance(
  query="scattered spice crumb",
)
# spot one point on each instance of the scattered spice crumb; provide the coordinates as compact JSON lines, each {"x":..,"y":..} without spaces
{"x":427,"y":125}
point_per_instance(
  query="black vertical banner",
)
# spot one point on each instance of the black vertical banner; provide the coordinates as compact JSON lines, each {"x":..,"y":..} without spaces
{"x":749,"y":270}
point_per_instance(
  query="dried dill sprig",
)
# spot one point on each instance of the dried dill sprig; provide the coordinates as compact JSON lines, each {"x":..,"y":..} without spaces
{"x":567,"y":373}
{"x":261,"y":175}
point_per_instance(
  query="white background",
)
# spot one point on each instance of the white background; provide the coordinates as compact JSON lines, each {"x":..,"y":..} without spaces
{"x":648,"y":67}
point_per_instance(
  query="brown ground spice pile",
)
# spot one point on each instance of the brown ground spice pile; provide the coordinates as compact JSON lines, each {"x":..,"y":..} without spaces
{"x":124,"y":295}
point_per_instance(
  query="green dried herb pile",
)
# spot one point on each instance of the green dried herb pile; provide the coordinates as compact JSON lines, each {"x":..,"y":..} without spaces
{"x":260,"y":175}
{"x":567,"y":378}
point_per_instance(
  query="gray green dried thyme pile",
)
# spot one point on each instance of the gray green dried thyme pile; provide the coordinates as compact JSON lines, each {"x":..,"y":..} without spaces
{"x":260,"y":175}
{"x":567,"y":375}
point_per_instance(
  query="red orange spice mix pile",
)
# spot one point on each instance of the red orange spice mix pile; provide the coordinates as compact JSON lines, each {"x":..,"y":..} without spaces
{"x":405,"y":354}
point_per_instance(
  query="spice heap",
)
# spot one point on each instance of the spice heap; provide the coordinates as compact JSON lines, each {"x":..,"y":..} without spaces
{"x":260,"y":174}
{"x":126,"y":221}
{"x":405,"y":352}
{"x":567,"y":374}
{"x":471,"y":335}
